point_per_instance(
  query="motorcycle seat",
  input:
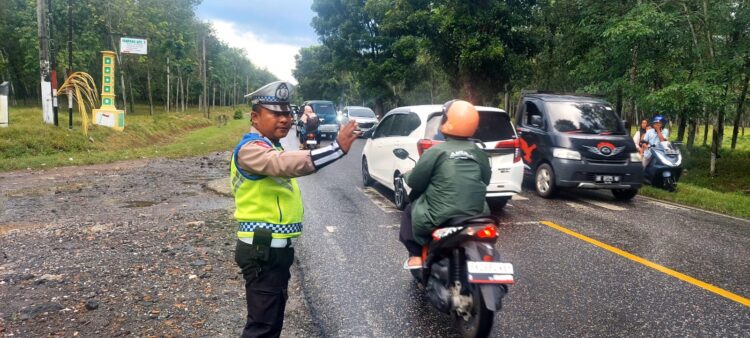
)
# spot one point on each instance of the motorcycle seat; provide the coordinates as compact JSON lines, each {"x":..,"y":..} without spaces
{"x":467,"y":220}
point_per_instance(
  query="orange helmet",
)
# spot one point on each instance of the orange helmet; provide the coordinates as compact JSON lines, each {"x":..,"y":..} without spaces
{"x":460,"y":119}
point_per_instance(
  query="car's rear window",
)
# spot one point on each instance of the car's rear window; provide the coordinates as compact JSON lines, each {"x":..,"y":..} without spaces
{"x":493,"y":126}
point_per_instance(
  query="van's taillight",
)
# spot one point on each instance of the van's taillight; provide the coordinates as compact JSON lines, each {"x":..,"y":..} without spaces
{"x":424,"y":144}
{"x":514,"y":144}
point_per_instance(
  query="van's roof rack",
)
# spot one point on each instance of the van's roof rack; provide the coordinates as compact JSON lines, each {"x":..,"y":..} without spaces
{"x":552,"y":92}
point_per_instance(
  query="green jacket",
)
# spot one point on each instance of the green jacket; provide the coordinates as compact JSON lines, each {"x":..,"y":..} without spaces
{"x":450,"y":180}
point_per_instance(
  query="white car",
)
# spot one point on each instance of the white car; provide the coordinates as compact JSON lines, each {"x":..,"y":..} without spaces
{"x":364,"y":116}
{"x":415,"y":129}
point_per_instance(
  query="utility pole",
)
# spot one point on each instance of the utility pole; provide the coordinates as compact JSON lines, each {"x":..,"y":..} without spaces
{"x":70,"y":62}
{"x":46,"y":92}
{"x":52,"y":63}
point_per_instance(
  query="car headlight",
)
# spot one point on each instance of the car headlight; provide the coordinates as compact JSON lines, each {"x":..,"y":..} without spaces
{"x":635,"y":157}
{"x":566,"y":154}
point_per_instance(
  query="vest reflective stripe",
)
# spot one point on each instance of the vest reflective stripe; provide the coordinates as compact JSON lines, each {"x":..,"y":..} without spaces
{"x":274,"y":203}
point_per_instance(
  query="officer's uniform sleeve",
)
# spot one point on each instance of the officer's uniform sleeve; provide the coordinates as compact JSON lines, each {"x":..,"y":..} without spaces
{"x":259,"y":158}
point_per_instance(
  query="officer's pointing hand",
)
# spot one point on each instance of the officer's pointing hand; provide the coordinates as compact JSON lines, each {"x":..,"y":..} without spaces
{"x":347,"y":135}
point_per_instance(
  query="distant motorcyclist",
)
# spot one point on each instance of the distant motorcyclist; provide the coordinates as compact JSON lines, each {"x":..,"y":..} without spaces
{"x":449,"y":180}
{"x":309,"y":122}
{"x":654,"y":136}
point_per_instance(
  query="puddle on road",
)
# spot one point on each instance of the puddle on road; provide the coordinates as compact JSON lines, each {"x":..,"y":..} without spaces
{"x":138,"y":204}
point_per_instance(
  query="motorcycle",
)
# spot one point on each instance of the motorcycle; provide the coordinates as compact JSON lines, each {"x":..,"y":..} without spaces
{"x":665,"y":166}
{"x":311,"y":140}
{"x":462,"y":272}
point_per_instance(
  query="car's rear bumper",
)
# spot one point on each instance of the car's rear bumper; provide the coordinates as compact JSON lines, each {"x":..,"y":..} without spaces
{"x":577,"y":174}
{"x":506,"y":181}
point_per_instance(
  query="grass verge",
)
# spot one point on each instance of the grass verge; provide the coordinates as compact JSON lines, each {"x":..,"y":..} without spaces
{"x":29,"y":143}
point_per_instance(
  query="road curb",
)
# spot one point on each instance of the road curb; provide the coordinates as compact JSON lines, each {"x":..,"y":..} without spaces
{"x":694,"y":208}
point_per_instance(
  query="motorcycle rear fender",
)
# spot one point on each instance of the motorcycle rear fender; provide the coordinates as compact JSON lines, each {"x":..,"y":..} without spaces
{"x":491,"y":293}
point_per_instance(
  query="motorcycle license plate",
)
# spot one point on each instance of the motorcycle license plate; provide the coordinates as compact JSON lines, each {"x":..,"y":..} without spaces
{"x":607,"y":179}
{"x":312,"y":142}
{"x":490,"y":272}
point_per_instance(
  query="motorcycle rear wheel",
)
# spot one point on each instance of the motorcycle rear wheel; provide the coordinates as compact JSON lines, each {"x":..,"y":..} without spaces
{"x":480,"y":323}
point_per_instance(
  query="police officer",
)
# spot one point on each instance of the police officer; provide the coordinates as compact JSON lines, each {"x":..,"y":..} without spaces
{"x":269,"y":204}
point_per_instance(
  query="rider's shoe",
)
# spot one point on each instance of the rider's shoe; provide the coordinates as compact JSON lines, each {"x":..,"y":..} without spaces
{"x":414,"y":262}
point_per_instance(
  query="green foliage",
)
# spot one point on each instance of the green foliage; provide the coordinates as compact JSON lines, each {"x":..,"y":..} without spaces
{"x":173,"y":32}
{"x":238,"y":114}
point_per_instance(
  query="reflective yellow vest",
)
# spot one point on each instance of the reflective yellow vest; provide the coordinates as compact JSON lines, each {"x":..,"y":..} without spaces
{"x":274,"y":203}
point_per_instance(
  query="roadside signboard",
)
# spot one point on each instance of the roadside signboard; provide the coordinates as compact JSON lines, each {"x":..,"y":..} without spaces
{"x":133,"y":46}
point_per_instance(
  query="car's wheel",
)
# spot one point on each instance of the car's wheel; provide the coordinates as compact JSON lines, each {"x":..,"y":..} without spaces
{"x":497,"y":203}
{"x":366,"y":178}
{"x":624,"y":194}
{"x":544,"y":181}
{"x":400,"y":197}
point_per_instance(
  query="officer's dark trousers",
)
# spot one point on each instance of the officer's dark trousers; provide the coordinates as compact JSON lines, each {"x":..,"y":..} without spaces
{"x":406,"y":234}
{"x":266,"y":285}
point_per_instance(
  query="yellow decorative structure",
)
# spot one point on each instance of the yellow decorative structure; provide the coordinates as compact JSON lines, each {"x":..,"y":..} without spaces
{"x":83,"y":86}
{"x":107,"y":114}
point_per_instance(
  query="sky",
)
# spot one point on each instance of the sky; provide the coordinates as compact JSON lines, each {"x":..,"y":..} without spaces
{"x":270,"y":32}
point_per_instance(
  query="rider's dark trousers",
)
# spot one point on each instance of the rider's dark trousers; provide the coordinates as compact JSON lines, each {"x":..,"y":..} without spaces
{"x":406,"y":234}
{"x":266,"y":285}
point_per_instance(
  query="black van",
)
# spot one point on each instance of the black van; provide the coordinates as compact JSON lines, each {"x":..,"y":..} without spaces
{"x":571,"y":141}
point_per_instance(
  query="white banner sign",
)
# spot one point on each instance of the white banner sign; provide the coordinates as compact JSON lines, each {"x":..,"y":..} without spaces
{"x":133,"y":46}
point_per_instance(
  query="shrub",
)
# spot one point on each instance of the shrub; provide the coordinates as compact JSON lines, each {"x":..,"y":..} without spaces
{"x":238,"y":114}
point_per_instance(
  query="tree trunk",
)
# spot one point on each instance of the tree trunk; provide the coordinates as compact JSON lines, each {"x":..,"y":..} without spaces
{"x":168,"y":88}
{"x":185,"y":103}
{"x":692,"y":130}
{"x":618,"y":102}
{"x":705,"y":131}
{"x":740,"y":109}
{"x":132,"y":98}
{"x":682,"y":126}
{"x":148,"y":87}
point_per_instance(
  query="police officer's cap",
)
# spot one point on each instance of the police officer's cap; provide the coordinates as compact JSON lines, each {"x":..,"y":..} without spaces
{"x":273,"y":96}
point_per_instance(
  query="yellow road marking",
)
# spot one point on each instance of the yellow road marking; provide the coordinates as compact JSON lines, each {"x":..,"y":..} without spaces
{"x":719,"y":291}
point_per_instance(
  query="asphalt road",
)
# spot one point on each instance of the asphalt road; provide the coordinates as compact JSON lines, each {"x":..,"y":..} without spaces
{"x":353,"y":283}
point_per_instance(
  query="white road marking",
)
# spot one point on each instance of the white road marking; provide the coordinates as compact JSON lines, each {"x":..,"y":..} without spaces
{"x":667,"y":206}
{"x":331,"y":229}
{"x":578,"y":206}
{"x":379,"y":200}
{"x":604,"y":205}
{"x":519,"y":198}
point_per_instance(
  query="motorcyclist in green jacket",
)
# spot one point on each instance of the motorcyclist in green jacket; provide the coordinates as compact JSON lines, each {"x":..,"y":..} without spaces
{"x":449,"y":180}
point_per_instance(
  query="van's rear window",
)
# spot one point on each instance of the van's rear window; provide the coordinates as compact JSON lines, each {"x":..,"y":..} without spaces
{"x":493,"y":126}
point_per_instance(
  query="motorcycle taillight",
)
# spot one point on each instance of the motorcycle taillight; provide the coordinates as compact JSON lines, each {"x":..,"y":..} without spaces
{"x":489,"y":231}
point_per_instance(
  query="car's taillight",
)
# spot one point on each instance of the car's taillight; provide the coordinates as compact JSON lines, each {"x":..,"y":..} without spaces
{"x":489,"y":231}
{"x":424,"y":144}
{"x":514,"y":144}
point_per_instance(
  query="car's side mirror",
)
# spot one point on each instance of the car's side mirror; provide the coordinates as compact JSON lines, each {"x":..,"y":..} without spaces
{"x":401,"y":153}
{"x":536,"y":121}
{"x":626,"y":124}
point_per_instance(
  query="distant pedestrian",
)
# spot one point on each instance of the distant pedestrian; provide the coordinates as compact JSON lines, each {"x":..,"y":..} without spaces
{"x":268,"y":201}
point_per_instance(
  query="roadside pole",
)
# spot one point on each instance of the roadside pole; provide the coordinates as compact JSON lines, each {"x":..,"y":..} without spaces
{"x":4,"y":104}
{"x":46,"y":87}
{"x":70,"y":62}
{"x":52,"y":63}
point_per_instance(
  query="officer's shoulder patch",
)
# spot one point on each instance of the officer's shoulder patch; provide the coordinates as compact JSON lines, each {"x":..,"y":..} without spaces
{"x":261,"y":143}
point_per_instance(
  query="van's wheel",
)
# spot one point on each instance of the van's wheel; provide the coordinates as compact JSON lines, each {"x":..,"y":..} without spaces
{"x":400,"y":197}
{"x":497,"y":203}
{"x":544,"y":180}
{"x":366,"y":178}
{"x":624,"y":194}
